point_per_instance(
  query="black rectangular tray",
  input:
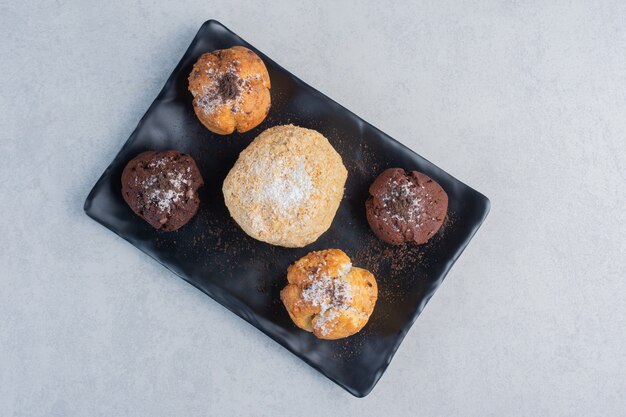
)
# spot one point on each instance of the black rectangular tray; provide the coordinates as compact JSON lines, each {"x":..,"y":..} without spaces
{"x":245,"y":275}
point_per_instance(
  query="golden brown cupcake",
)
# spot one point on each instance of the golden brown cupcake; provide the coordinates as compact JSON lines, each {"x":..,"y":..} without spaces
{"x":326,"y":295}
{"x":286,"y":186}
{"x":231,"y":90}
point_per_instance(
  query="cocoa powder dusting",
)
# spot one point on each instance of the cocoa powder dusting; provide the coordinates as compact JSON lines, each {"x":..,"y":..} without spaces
{"x":227,"y":87}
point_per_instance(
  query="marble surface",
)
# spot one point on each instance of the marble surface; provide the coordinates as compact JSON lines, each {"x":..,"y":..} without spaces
{"x":525,"y":101}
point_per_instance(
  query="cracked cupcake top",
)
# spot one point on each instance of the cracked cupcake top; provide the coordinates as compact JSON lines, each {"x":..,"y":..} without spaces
{"x":405,"y":206}
{"x":161,"y":187}
{"x":327,"y":296}
{"x":230,"y":89}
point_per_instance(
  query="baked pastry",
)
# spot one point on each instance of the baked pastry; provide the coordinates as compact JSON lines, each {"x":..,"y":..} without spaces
{"x":231,"y":90}
{"x":405,"y":206}
{"x":161,"y":188}
{"x":326,"y":295}
{"x":286,"y":186}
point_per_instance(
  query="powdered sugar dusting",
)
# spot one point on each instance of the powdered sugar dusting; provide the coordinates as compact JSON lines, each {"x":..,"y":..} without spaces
{"x":289,"y":189}
{"x":331,"y":294}
{"x":319,"y":292}
{"x":283,"y":186}
{"x":325,"y":320}
{"x":213,"y":97}
{"x":177,"y":179}
{"x":345,"y":268}
{"x":158,"y":164}
{"x":163,"y":189}
{"x":165,"y":198}
{"x":403,"y":202}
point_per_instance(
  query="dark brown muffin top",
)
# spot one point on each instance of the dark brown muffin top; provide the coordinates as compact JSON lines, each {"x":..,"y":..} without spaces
{"x":405,"y":206}
{"x":161,"y":187}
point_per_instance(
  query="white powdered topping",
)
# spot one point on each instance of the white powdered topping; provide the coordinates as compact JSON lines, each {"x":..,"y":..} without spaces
{"x":402,"y":202}
{"x":165,"y":198}
{"x":342,"y":295}
{"x":319,"y":292}
{"x":325,"y":320}
{"x":289,"y":189}
{"x":177,"y":179}
{"x":284,"y":187}
{"x":150,"y":181}
{"x":345,"y":268}
{"x":331,"y":294}
{"x":158,"y":164}
{"x":161,"y":196}
{"x":224,"y":89}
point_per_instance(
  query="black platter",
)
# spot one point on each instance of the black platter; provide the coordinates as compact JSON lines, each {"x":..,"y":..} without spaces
{"x":244,"y":275}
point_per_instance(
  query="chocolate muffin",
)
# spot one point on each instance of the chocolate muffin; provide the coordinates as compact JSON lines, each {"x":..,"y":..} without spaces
{"x":161,"y":188}
{"x":405,"y":207}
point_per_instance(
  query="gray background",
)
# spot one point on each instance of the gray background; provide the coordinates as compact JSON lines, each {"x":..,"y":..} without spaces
{"x":525,"y":102}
